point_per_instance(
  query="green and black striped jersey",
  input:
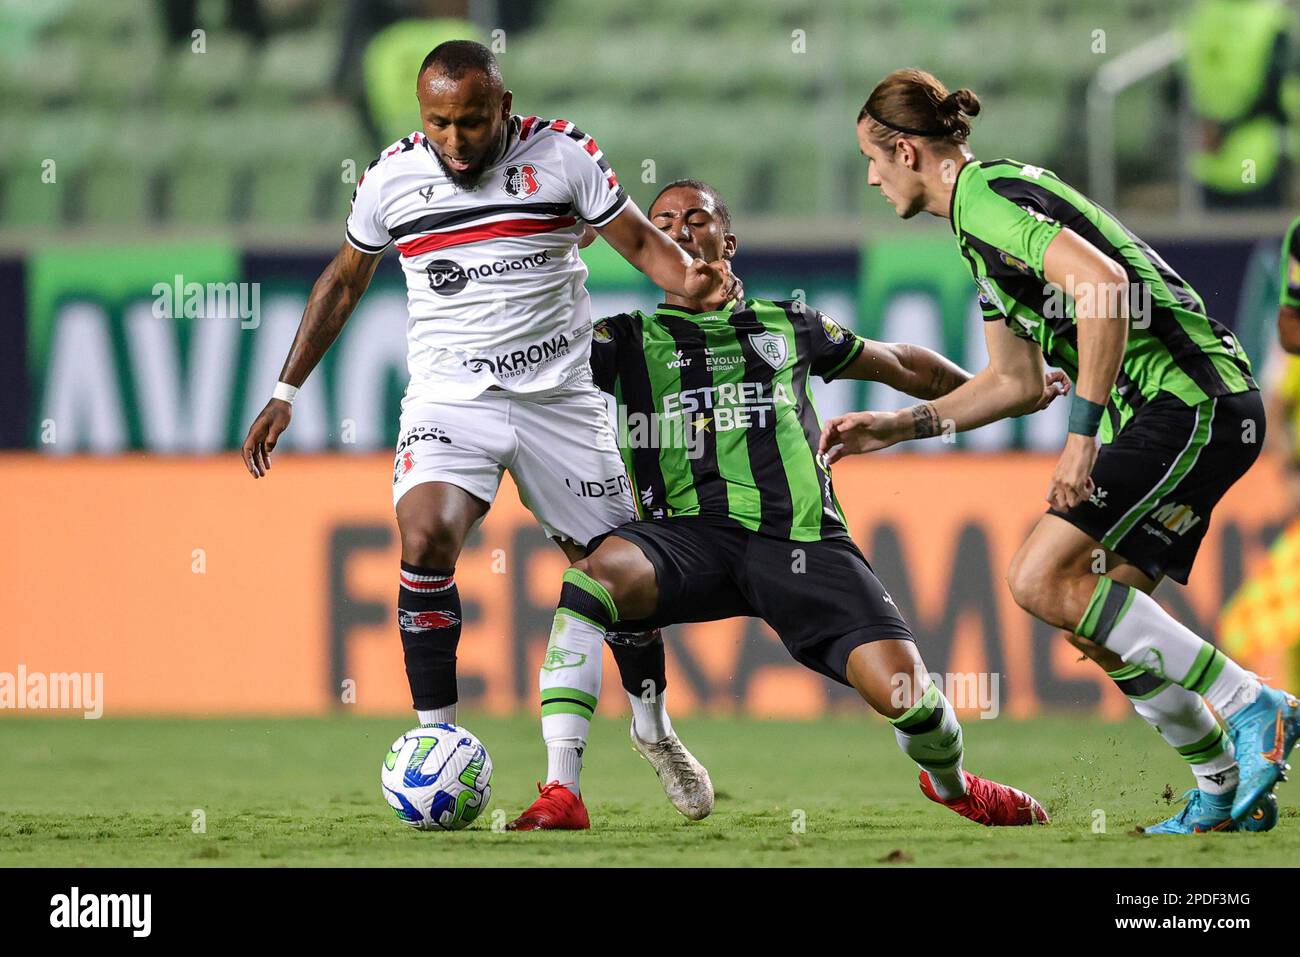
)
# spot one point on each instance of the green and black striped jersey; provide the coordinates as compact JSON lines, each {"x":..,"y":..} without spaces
{"x":1006,"y":213}
{"x":716,"y":414}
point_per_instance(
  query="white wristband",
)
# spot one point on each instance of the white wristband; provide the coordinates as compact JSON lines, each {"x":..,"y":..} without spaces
{"x":284,"y":392}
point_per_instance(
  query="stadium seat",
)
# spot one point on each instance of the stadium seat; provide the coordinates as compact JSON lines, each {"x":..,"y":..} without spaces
{"x":27,"y":202}
{"x":285,"y":192}
{"x":32,"y":147}
{"x":769,"y":111}
{"x":294,"y":68}
{"x":116,"y":190}
{"x":220,"y":75}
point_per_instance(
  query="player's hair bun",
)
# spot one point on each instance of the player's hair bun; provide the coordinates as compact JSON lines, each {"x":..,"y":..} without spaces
{"x":961,"y":101}
{"x":955,"y":109}
{"x":915,"y":102}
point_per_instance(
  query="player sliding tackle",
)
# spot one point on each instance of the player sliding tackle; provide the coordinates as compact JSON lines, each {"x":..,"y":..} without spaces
{"x":1170,"y":393}
{"x":487,"y":210}
{"x":719,"y":435}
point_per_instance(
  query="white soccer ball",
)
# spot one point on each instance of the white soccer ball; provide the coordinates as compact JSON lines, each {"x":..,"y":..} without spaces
{"x":437,"y":777}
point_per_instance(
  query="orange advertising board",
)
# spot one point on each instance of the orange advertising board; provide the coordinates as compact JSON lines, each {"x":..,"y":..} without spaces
{"x":193,"y":589}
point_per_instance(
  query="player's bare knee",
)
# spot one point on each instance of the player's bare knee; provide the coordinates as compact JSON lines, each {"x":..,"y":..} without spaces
{"x":887,"y":707}
{"x":888,"y":675}
{"x":621,"y":569}
{"x":1026,"y":581}
{"x":431,"y":545}
{"x":596,"y":567}
{"x":1036,"y":581}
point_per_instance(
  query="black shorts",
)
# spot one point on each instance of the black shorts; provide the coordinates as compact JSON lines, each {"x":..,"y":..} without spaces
{"x":821,"y":598}
{"x":1159,"y":479}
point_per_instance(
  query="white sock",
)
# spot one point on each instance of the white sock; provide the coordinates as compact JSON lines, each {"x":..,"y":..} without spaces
{"x":1187,"y":725}
{"x":564,"y":762}
{"x":929,"y":734}
{"x":1218,"y":782}
{"x":444,"y":715}
{"x":1130,"y":623}
{"x":650,"y":718}
{"x":569,"y":678}
{"x":1232,"y":700}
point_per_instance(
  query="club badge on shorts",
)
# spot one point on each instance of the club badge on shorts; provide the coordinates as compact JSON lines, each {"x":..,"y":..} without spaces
{"x":404,"y":463}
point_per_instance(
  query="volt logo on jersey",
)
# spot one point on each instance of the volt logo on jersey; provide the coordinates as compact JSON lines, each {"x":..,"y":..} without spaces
{"x":679,"y":361}
{"x":521,"y":181}
{"x":771,"y":347}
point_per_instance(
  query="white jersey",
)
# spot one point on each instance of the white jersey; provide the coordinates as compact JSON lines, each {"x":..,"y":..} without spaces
{"x":495,"y":286}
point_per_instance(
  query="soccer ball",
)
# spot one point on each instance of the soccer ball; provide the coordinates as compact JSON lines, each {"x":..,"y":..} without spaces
{"x":437,"y":777}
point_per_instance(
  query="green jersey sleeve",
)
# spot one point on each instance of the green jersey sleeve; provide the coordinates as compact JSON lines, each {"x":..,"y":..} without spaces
{"x":1015,"y":231}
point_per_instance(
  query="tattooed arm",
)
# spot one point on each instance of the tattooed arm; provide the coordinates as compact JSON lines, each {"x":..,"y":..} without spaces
{"x":909,"y":368}
{"x":1012,"y":384}
{"x":335,"y":294}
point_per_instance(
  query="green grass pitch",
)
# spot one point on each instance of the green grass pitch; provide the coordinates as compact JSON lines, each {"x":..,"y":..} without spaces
{"x":305,"y":792}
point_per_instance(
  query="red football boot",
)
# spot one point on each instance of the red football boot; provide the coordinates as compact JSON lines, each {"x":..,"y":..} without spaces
{"x":989,"y":803}
{"x":556,"y":809}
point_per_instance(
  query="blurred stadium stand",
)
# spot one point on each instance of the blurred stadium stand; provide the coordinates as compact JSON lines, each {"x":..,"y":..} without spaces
{"x":256,"y":133}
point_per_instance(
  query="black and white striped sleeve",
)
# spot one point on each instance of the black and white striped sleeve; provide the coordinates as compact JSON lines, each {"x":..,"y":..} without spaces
{"x":365,"y":227}
{"x":597,"y":195}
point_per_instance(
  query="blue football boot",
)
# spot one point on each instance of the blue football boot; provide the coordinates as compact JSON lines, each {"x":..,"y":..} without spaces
{"x":1263,"y":817}
{"x":1263,"y":734}
{"x":1200,"y":815}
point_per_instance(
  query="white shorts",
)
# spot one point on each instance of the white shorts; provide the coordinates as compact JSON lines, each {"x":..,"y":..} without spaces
{"x":559,"y":446}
